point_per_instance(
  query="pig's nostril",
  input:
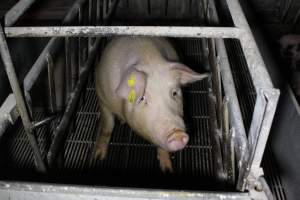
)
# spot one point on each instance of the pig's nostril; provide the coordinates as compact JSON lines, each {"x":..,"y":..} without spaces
{"x":177,"y":141}
{"x":185,"y":139}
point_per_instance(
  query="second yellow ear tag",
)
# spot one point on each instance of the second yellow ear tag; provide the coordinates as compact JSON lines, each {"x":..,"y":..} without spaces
{"x":131,"y":80}
{"x":131,"y":96}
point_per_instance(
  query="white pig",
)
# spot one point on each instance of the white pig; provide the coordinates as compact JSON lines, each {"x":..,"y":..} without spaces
{"x":139,"y":79}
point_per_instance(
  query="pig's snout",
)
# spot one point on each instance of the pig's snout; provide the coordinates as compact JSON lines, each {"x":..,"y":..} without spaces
{"x":177,"y":140}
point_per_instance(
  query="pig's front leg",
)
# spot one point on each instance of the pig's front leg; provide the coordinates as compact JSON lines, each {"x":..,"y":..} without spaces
{"x":164,"y":160}
{"x":106,"y":126}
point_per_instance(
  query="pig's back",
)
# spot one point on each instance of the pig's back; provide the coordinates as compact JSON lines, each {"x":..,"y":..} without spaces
{"x":120,"y":54}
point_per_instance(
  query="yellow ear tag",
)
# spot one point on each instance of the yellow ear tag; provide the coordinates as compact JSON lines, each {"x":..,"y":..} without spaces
{"x":131,"y":83}
{"x":131,"y":96}
{"x":131,"y":80}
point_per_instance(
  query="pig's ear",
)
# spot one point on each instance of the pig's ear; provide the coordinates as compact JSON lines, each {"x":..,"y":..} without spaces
{"x":132,"y":85}
{"x":186,"y":75}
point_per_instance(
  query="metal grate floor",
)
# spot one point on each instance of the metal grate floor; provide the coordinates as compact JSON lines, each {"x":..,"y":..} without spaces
{"x":131,"y":161}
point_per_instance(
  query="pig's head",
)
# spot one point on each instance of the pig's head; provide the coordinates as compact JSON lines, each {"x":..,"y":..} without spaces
{"x":153,"y":102}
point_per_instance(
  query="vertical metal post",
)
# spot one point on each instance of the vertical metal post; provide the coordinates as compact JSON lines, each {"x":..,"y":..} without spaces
{"x":51,"y":83}
{"x":68,"y":69}
{"x":12,"y":77}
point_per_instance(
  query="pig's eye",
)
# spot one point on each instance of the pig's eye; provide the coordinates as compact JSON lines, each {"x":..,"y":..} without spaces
{"x":174,"y":94}
{"x":142,"y":99}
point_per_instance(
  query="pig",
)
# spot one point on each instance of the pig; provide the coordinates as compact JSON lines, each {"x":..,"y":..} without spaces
{"x":138,"y":80}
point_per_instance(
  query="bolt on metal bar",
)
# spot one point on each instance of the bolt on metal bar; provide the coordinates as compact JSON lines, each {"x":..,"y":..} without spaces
{"x":96,"y":31}
{"x":59,"y":133}
{"x":16,"y":11}
{"x":13,"y":80}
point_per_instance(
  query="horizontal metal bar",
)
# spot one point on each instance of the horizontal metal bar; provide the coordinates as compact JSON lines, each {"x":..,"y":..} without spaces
{"x":94,"y":31}
{"x":26,"y":191}
{"x":16,"y":11}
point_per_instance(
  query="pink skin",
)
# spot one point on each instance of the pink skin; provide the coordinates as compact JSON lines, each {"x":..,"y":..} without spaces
{"x":156,"y":111}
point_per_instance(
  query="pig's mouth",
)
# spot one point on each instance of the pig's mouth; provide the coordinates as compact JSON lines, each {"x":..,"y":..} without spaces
{"x":176,"y":140}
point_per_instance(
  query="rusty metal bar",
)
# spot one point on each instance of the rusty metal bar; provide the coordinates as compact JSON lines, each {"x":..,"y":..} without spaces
{"x":96,"y":31}
{"x":13,"y":80}
{"x":16,"y":11}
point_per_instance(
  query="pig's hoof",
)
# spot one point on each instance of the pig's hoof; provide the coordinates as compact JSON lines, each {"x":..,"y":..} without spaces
{"x":100,"y":153}
{"x":166,"y":165}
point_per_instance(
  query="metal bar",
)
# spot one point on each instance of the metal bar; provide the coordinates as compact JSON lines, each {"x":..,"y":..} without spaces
{"x":239,"y":137}
{"x":68,"y":69}
{"x":95,"y":31}
{"x":8,"y":113}
{"x":216,"y":79}
{"x":272,"y":96}
{"x":111,"y":10}
{"x":16,"y":11}
{"x":241,"y":145}
{"x":215,"y":137}
{"x":17,"y":190}
{"x":51,"y":49}
{"x":256,"y":65}
{"x":4,"y":124}
{"x":262,"y":82}
{"x":59,"y":133}
{"x":264,"y":111}
{"x":51,"y":83}
{"x":13,"y":80}
{"x":225,"y":135}
{"x":43,"y":122}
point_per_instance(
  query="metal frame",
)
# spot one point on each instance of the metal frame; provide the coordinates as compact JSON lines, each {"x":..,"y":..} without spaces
{"x":249,"y":150}
{"x":26,"y":191}
{"x":18,"y":10}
